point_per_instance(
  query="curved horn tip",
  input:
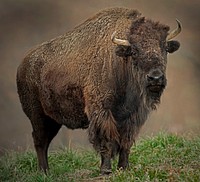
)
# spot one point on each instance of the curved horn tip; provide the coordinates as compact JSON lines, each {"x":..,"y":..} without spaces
{"x":179,"y":24}
{"x":175,"y":32}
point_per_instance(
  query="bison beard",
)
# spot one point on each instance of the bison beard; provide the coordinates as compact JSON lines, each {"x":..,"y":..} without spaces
{"x":88,"y":78}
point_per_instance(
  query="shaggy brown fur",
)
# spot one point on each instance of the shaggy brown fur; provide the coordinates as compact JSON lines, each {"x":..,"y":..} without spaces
{"x":82,"y":80}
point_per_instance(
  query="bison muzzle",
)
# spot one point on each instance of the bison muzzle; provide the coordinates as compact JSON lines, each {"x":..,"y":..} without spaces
{"x":107,"y":75}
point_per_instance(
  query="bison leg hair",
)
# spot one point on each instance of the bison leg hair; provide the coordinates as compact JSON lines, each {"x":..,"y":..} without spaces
{"x":127,"y":138}
{"x":99,"y":136}
{"x":43,"y":133}
{"x":105,"y":164}
{"x":123,"y":158}
{"x":103,"y":134}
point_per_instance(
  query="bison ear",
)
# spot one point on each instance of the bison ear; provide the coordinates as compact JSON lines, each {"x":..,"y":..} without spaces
{"x":172,"y":46}
{"x":123,"y":51}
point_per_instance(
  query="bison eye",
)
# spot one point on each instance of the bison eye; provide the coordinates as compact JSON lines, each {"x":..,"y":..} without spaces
{"x":135,"y":51}
{"x":123,"y":51}
{"x":172,"y":46}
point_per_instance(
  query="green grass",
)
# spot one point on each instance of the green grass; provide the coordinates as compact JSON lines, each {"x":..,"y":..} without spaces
{"x":161,"y":158}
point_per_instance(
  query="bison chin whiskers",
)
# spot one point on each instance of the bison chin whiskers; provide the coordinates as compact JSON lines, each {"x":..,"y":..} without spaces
{"x":153,"y":99}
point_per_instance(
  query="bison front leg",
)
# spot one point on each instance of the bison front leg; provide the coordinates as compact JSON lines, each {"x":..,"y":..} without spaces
{"x":127,"y":138}
{"x":123,"y":158}
{"x":103,"y":127}
{"x":102,"y":134}
{"x":105,"y":168}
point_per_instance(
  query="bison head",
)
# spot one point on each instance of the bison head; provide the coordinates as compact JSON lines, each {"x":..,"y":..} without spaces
{"x":147,"y":47}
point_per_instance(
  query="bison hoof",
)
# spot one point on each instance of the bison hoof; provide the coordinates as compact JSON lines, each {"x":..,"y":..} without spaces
{"x":106,"y":171}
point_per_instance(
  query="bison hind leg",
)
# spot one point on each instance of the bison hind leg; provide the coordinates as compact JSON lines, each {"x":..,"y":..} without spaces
{"x":44,"y":130}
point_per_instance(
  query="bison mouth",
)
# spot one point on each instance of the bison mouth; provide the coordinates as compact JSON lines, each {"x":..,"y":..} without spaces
{"x":155,"y":91}
{"x":156,"y":88}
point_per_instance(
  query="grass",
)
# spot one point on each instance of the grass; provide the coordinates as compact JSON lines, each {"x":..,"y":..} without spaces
{"x":164,"y":157}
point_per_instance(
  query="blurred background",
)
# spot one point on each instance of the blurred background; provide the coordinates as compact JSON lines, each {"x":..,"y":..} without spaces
{"x":26,"y":23}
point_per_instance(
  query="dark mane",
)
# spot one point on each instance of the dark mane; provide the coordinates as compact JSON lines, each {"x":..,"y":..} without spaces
{"x":146,"y":27}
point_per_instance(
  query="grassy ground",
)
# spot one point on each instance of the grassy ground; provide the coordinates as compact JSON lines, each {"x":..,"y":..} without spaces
{"x":161,"y":158}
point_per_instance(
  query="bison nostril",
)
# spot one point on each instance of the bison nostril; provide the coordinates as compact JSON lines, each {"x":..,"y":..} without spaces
{"x":150,"y":78}
{"x":155,"y":77}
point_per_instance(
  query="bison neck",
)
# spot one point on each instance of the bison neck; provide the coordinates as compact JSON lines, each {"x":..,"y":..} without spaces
{"x":133,"y":103}
{"x":131,"y":107}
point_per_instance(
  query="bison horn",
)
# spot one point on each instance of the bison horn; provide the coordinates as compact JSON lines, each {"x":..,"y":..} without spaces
{"x":175,"y":32}
{"x":119,"y":41}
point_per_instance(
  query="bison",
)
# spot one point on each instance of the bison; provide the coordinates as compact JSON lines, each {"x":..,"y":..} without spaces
{"x":107,"y":75}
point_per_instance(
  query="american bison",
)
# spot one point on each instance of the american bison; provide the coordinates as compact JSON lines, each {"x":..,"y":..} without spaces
{"x":107,"y":75}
